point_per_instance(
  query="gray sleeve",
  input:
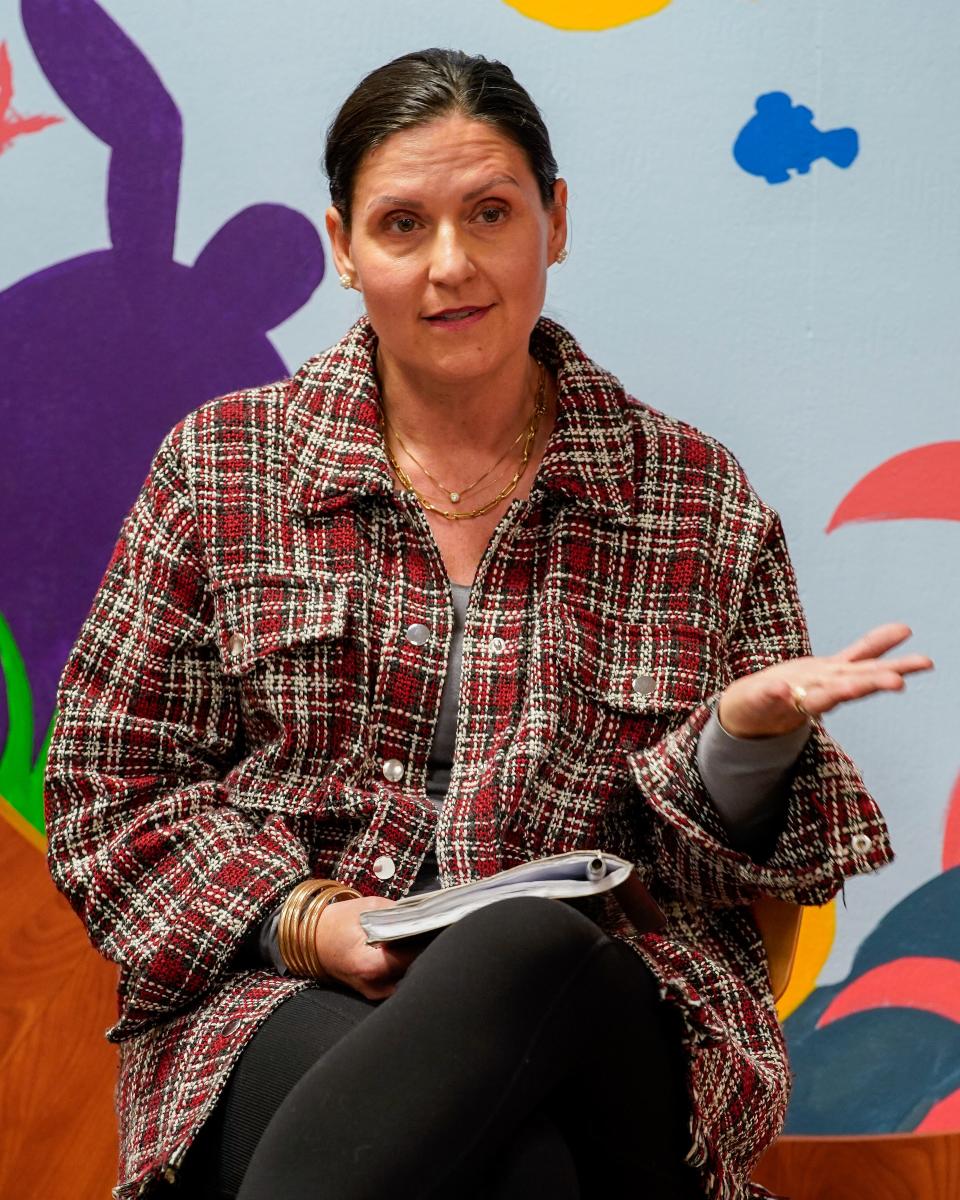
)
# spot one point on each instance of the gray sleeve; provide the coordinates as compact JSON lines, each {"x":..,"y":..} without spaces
{"x":746,"y":779}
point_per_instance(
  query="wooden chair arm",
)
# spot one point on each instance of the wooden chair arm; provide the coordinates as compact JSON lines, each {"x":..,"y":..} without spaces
{"x":779,"y":924}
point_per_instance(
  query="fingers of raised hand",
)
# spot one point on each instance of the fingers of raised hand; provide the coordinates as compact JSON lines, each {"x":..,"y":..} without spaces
{"x":836,"y":683}
{"x":878,"y":641}
{"x":775,"y":700}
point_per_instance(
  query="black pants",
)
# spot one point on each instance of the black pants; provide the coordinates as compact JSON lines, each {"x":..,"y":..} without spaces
{"x":524,"y":1054}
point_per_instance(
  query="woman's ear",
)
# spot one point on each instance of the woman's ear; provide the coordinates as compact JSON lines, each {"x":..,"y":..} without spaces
{"x":557,"y":220}
{"x":340,"y":243}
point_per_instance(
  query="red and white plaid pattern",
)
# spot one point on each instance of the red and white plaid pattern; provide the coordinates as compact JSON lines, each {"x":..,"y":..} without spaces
{"x":242,"y":677}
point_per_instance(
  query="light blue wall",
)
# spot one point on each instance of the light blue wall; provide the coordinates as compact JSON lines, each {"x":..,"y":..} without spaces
{"x":811,"y":326}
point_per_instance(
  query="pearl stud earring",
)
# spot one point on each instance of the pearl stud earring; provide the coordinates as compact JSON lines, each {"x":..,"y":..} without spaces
{"x":562,"y":254}
{"x":346,"y":281}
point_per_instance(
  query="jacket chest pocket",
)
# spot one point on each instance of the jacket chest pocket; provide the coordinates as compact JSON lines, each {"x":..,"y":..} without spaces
{"x":615,"y":688}
{"x":269,"y":619}
{"x":628,"y":683}
{"x":283,"y":639}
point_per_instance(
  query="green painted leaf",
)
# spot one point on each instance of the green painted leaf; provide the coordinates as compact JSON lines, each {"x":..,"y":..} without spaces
{"x":21,"y":780}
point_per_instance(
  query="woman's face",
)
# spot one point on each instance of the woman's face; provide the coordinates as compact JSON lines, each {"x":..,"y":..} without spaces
{"x":450,"y":243}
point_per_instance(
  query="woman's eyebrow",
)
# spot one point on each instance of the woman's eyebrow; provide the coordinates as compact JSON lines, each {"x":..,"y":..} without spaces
{"x":491,"y":183}
{"x":398,"y":201}
{"x":406,"y":202}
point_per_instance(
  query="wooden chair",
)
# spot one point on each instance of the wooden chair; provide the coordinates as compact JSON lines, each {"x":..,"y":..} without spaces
{"x":59,"y":1136}
{"x":779,"y":924}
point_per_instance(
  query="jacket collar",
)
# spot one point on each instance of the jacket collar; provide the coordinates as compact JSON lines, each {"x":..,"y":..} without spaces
{"x":336,"y":453}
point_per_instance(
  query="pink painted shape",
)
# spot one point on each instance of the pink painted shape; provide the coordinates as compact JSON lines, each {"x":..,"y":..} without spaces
{"x":929,"y":984}
{"x":951,"y":835}
{"x":943,"y":1117}
{"x":923,"y":483}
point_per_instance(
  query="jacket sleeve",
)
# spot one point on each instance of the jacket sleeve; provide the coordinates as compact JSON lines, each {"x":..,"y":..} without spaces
{"x":831,"y":827}
{"x":168,"y":877}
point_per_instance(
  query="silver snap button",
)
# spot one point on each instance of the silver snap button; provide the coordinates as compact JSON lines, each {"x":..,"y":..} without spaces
{"x":861,"y":843}
{"x":393,"y":770}
{"x":417,"y":634}
{"x":384,"y":867}
{"x":642,"y":685}
{"x":236,"y":645}
{"x":498,"y":645}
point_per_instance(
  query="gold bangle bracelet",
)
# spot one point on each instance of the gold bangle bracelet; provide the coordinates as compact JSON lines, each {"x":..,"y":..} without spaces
{"x":298,"y":919}
{"x":283,"y":928}
{"x":307,"y":933}
{"x":299,"y":907}
{"x":306,"y":930}
{"x":290,"y":915}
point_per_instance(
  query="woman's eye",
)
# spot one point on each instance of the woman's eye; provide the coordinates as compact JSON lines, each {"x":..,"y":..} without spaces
{"x":492,"y":215}
{"x":403,"y":224}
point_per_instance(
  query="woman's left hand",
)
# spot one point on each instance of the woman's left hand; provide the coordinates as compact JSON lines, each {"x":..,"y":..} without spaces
{"x":764,"y":704}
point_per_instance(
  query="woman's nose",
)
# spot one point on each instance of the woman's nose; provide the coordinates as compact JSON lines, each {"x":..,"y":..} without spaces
{"x":450,"y":262}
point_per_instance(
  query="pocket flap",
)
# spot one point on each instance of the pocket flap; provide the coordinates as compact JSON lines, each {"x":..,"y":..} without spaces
{"x":260,"y":615}
{"x":645,"y":667}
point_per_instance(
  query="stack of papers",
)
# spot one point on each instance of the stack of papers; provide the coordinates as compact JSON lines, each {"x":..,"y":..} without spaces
{"x":563,"y":877}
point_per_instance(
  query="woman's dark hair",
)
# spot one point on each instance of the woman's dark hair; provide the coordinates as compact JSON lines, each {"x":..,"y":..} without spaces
{"x":419,"y":87}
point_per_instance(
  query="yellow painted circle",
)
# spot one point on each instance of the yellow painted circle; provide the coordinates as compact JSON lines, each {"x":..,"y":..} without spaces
{"x":587,"y":14}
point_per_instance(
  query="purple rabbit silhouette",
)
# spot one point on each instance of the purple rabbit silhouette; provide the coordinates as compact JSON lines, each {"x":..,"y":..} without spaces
{"x":104,"y":353}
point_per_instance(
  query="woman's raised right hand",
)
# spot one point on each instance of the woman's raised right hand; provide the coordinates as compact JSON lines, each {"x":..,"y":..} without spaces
{"x":344,"y":953}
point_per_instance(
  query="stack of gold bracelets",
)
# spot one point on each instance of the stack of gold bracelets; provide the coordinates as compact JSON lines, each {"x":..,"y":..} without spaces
{"x":299,"y":917}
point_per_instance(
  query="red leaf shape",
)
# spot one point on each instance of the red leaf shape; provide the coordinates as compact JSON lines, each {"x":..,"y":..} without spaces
{"x":929,"y":984}
{"x":12,"y":125}
{"x":951,"y":836}
{"x":923,"y":483}
{"x":944,"y":1117}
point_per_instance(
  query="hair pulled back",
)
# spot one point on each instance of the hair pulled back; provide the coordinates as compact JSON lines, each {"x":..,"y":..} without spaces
{"x":419,"y":87}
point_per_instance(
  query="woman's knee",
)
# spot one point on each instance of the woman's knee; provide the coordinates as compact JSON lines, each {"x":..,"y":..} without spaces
{"x":523,"y":938}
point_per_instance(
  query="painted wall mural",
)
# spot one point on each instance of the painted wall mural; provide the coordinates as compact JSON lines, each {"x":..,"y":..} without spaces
{"x":781,"y":137}
{"x":105,"y":348}
{"x":581,"y":15}
{"x":106,"y":352}
{"x":12,"y":124}
{"x":880,"y":1052}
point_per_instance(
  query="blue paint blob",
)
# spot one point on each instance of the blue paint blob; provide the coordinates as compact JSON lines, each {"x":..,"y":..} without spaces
{"x":781,"y":137}
{"x":881,"y":1070}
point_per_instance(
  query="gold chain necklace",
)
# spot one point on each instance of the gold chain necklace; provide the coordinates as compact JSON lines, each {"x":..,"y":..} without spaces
{"x":529,"y":435}
{"x":455,"y":497}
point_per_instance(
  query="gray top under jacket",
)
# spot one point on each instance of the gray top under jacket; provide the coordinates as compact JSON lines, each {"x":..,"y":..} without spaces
{"x":744,"y":777}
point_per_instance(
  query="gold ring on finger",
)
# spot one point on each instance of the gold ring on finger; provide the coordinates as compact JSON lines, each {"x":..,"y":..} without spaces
{"x":799,"y":694}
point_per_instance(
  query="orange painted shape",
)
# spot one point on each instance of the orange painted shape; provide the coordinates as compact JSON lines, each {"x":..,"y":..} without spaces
{"x":951,"y":836}
{"x":921,"y":484}
{"x":929,"y":984}
{"x":943,"y":1117}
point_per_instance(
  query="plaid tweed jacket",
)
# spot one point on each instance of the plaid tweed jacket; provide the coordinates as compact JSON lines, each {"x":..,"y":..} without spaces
{"x":242,"y":679}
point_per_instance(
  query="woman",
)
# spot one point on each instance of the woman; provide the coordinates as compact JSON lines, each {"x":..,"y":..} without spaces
{"x":446,"y":601}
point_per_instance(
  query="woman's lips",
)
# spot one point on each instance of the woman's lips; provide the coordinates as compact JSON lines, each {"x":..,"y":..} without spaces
{"x":458,"y":318}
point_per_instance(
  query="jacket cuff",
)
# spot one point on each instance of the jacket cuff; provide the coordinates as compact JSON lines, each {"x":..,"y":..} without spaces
{"x":209,"y":930}
{"x":832,"y":828}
